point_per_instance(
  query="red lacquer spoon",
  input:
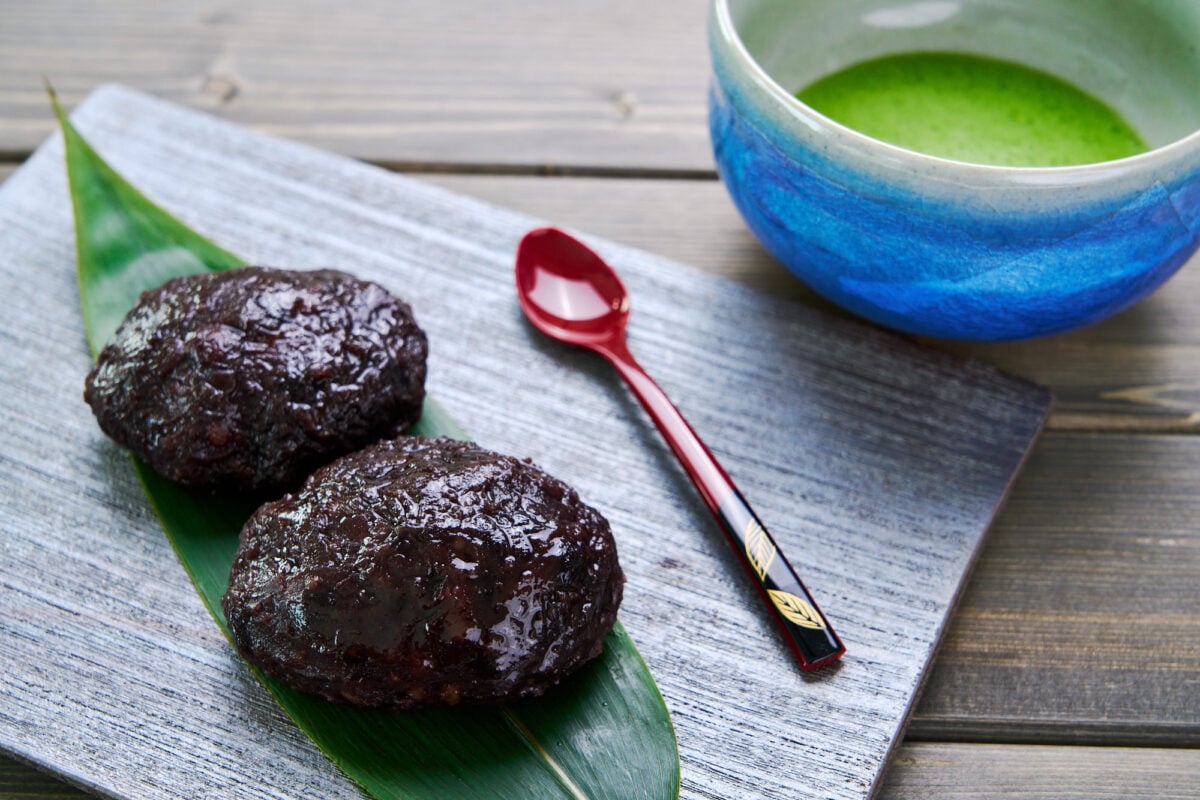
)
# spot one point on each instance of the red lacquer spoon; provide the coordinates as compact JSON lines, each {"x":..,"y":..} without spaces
{"x":570,"y":294}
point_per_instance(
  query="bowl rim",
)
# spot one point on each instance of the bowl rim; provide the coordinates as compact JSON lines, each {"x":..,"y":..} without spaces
{"x":721,"y":24}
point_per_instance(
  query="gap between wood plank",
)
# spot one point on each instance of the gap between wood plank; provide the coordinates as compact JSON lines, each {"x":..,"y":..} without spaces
{"x":546,"y":170}
{"x":1052,"y":733}
{"x":11,"y":159}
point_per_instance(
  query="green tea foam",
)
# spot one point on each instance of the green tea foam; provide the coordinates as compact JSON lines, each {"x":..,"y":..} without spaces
{"x":974,"y":109}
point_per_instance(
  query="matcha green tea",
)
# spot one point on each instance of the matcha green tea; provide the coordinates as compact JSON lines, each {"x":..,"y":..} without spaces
{"x":974,"y":109}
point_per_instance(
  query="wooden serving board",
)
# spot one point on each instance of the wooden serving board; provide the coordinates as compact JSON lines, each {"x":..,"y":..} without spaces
{"x":878,"y":464}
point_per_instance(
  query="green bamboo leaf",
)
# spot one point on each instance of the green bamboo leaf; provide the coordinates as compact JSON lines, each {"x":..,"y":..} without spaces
{"x":605,"y":733}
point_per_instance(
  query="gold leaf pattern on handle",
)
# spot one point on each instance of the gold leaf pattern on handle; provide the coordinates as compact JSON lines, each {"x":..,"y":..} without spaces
{"x":759,"y":549}
{"x":796,"y":610}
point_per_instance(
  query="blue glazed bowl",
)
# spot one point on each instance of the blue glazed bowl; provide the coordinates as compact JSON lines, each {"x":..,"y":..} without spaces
{"x":945,"y":248}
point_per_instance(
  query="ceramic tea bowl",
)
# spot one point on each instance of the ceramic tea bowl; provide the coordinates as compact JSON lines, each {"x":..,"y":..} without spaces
{"x":946,"y":248}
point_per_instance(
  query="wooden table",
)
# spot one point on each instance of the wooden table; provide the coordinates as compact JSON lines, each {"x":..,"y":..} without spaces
{"x":1072,"y":667}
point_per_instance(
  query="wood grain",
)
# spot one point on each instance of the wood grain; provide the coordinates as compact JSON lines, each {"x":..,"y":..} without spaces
{"x":451,"y":82}
{"x":1139,"y":371}
{"x":1091,"y":692}
{"x":921,"y":772}
{"x":883,"y":465}
{"x":628,"y":98}
{"x":1086,"y":691}
{"x":1038,"y":649}
{"x":1081,"y":622}
{"x":963,"y":772}
{"x":1092,"y":519}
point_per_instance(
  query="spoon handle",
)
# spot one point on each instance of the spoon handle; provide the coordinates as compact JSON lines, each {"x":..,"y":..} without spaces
{"x":806,"y":629}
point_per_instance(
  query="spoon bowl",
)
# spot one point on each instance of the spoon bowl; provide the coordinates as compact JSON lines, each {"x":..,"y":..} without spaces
{"x":570,"y":294}
{"x":567,"y":291}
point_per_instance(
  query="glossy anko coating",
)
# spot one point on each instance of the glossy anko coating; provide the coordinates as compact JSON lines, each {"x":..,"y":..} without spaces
{"x":423,"y":572}
{"x":253,"y":377}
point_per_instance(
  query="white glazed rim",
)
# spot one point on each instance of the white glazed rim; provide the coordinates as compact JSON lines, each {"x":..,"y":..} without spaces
{"x":949,"y":168}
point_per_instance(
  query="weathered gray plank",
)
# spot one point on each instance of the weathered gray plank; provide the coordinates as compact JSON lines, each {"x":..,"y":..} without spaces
{"x":1085,"y":690}
{"x":963,"y":772}
{"x":922,"y":772}
{"x":1081,"y":622}
{"x":392,"y":86}
{"x":692,"y":221}
{"x":881,"y":462}
{"x":1070,"y":701}
{"x":614,"y":83}
{"x":1137,"y":371}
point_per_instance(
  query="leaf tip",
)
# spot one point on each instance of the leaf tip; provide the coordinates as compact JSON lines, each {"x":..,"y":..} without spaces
{"x":53,"y":95}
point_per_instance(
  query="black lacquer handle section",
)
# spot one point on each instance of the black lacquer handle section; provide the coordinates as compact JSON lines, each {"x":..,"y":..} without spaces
{"x":807,"y":630}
